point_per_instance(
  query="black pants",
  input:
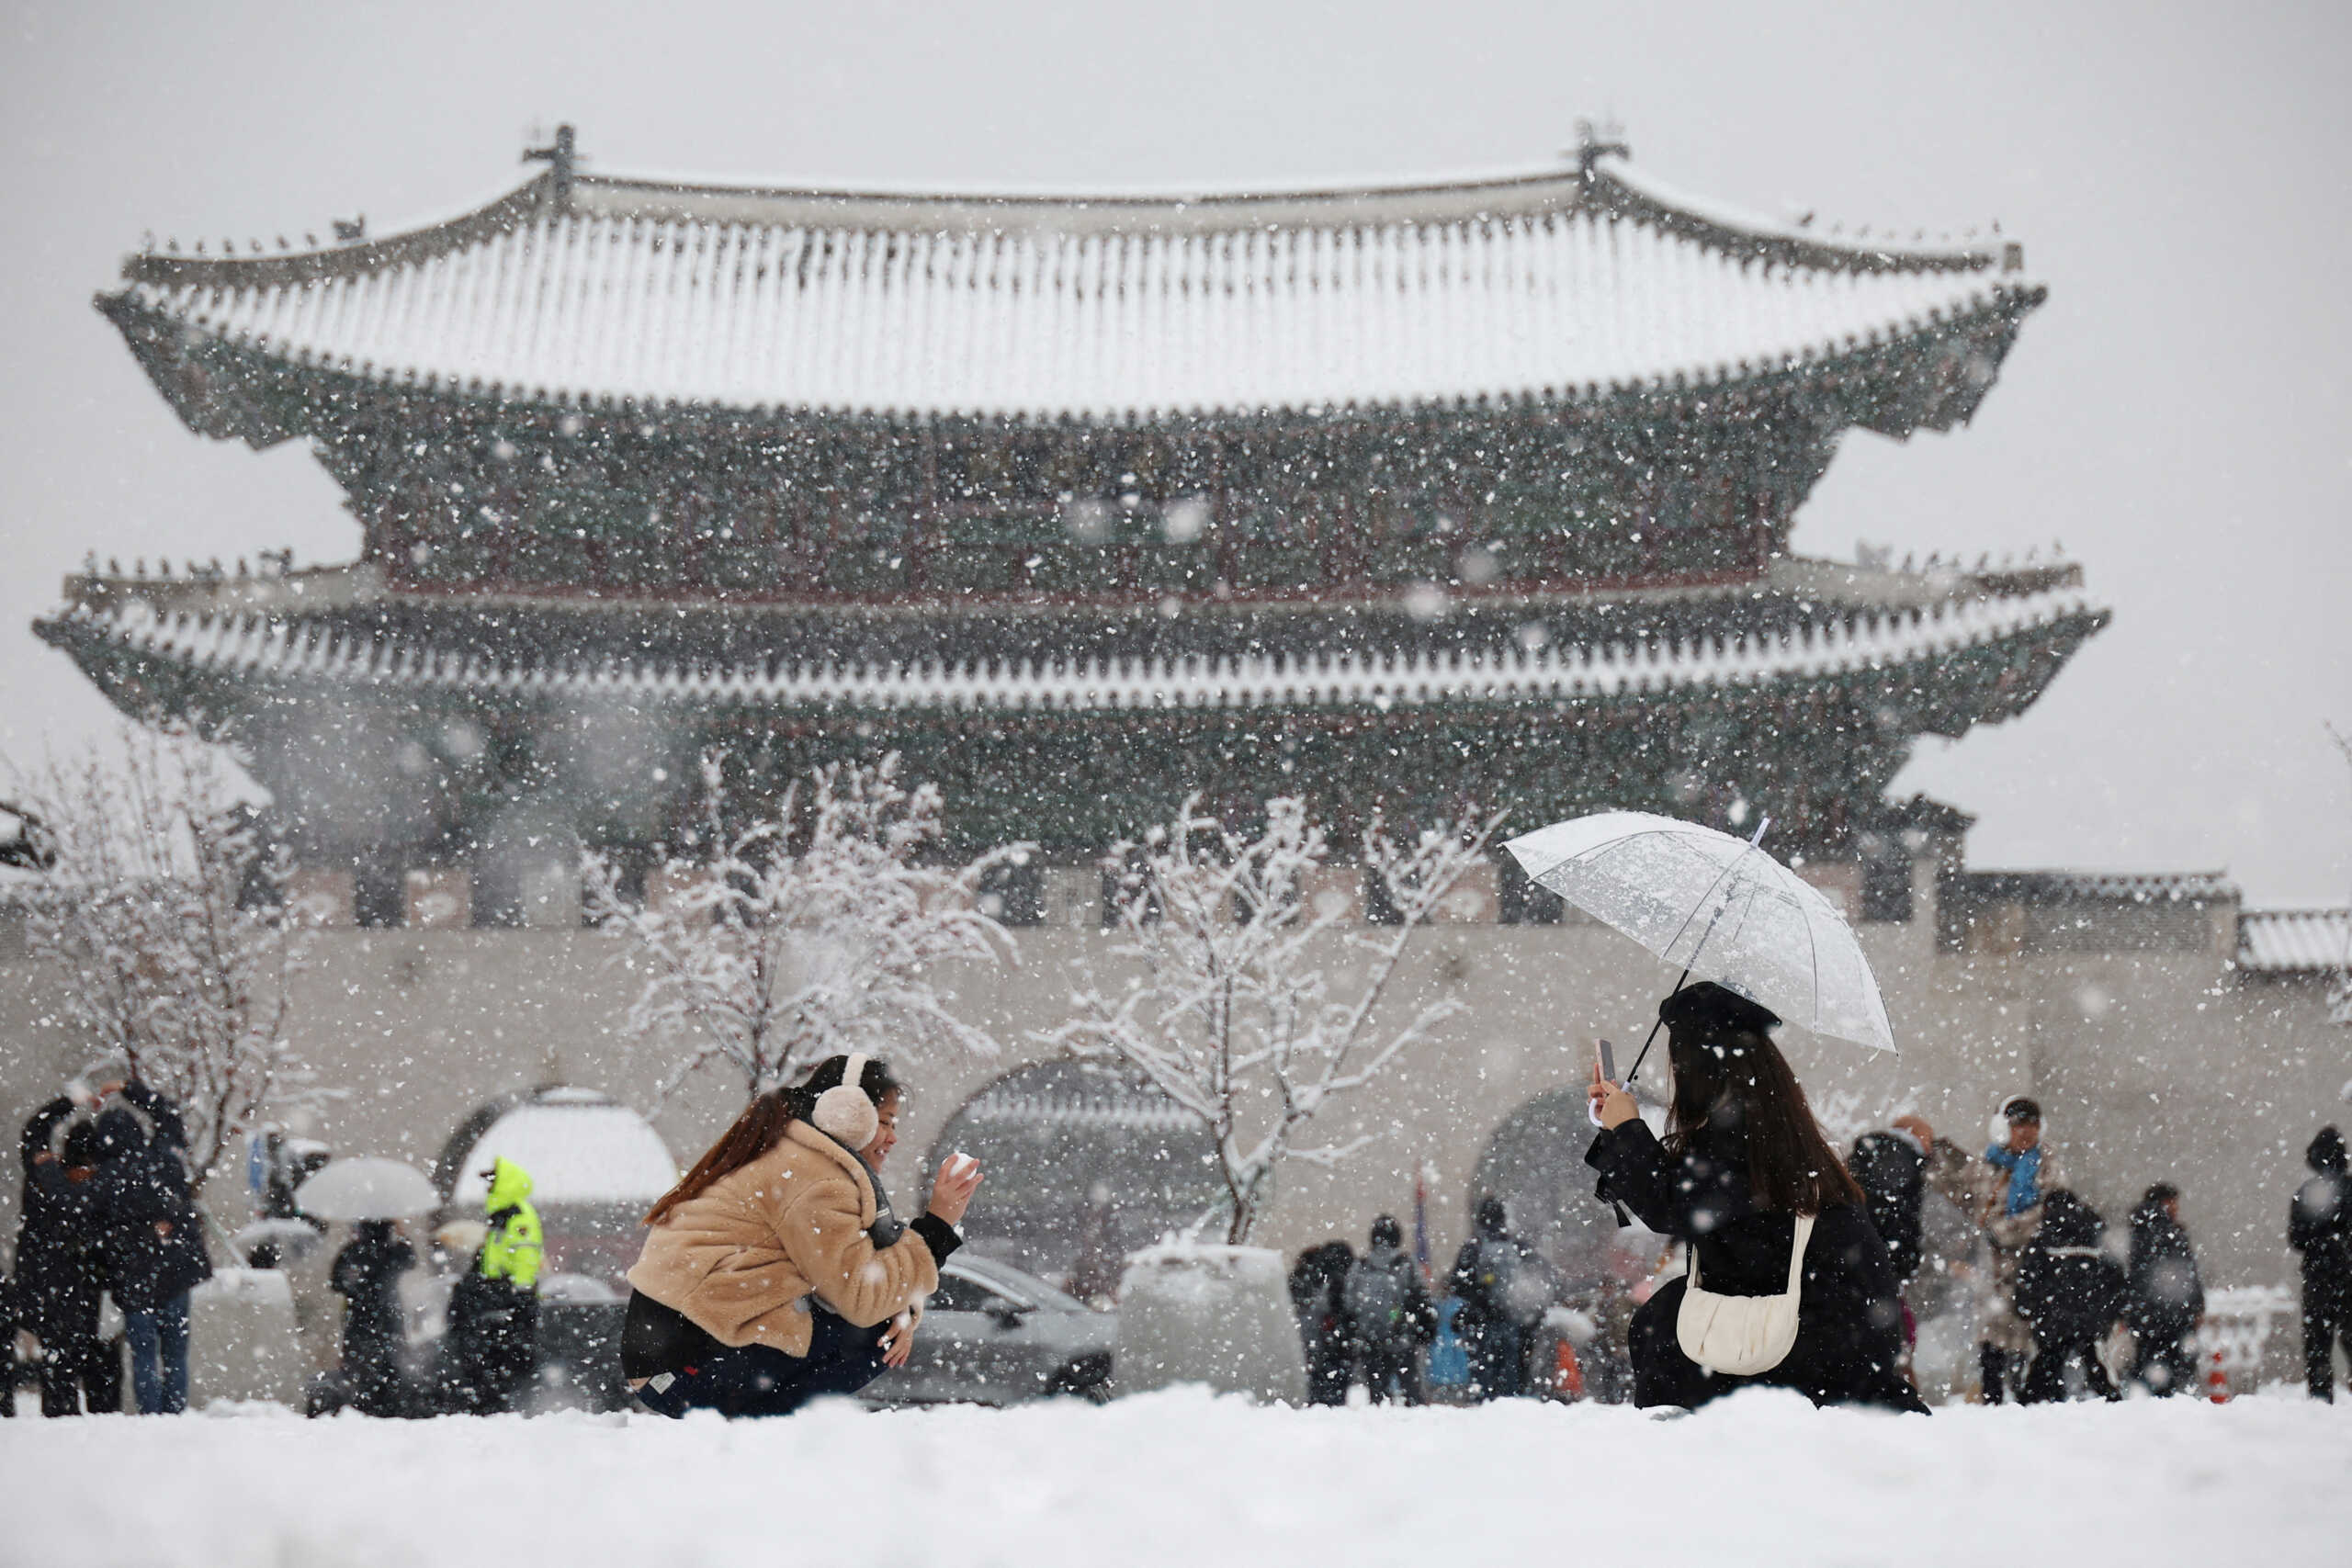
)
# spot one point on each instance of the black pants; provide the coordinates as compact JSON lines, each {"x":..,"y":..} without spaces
{"x":1999,"y":1368}
{"x":757,"y":1380}
{"x":2046,"y":1384}
{"x":1393,"y":1372}
{"x":74,"y":1371}
{"x":2164,"y":1365}
{"x":2325,"y":1320}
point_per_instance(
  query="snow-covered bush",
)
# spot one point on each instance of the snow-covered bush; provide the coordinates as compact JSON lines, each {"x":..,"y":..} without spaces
{"x":1252,"y":989}
{"x":771,"y":942}
{"x":162,"y":911}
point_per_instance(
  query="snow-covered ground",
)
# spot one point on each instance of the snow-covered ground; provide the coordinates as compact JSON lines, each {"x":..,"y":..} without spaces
{"x":1179,"y":1478}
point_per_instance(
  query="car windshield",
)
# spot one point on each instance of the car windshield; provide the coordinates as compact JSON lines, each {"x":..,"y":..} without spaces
{"x":1011,"y":1282}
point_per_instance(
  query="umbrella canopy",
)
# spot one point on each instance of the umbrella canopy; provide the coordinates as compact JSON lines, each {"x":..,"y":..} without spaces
{"x":1719,"y":908}
{"x":366,"y":1189}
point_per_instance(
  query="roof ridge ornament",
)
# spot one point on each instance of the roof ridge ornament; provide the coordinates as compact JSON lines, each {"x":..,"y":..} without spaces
{"x":1596,"y":142}
{"x":562,"y":159}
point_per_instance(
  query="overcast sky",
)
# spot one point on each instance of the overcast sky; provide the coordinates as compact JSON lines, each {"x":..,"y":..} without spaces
{"x":2177,"y":413}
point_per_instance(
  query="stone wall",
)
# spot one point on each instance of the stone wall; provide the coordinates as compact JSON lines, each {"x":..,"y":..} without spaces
{"x":2151,"y":1063}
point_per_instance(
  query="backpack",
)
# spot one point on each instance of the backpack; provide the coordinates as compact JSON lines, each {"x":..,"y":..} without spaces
{"x":1497,"y":1280}
{"x":1378,"y":1301}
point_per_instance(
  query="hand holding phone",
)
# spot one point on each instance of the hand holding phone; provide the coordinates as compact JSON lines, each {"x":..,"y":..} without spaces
{"x":1604,"y":1077}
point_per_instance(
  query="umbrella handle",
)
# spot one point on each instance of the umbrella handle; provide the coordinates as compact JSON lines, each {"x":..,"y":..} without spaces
{"x":1644,"y":1051}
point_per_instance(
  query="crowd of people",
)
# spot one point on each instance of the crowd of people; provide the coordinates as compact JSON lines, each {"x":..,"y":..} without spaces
{"x":1760,"y":1208}
{"x":109,"y":1213}
{"x":776,"y":1270}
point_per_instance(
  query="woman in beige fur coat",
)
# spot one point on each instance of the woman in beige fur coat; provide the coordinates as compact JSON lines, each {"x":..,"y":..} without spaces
{"x":775,"y":1271}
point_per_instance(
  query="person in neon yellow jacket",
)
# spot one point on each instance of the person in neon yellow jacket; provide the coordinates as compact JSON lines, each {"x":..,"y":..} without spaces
{"x":513,"y":1248}
{"x":495,"y":1309}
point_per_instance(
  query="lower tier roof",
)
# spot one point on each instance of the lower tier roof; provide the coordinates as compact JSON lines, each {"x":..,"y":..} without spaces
{"x":456,"y":653}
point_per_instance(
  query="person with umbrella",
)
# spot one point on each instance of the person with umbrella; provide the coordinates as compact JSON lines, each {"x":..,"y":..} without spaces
{"x":366,"y":1275}
{"x":1746,"y":1180}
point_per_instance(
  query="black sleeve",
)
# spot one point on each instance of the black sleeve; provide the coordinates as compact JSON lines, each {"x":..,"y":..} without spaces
{"x":1683,"y":1198}
{"x":36,"y":1131}
{"x":937,"y":1234}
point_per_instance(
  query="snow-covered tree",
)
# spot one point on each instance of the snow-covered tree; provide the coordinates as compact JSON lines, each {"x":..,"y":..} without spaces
{"x":770,"y":944}
{"x":161,"y":910}
{"x":1253,"y":997}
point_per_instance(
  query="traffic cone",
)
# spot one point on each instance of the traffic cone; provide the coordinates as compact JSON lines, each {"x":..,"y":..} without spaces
{"x":2217,"y":1382}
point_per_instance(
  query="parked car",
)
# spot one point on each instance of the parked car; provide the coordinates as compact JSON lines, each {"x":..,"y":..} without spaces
{"x":994,"y":1335}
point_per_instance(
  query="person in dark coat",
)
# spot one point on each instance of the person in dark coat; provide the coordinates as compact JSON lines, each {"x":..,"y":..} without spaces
{"x":1503,"y":1288}
{"x":154,"y":1241}
{"x":2073,"y":1293}
{"x":2167,"y":1297}
{"x":1891,"y":1169}
{"x":1388,"y":1307}
{"x":61,"y":1264}
{"x":2319,"y":1226}
{"x":1742,"y":1158}
{"x":367,"y":1274}
{"x":1317,"y":1282}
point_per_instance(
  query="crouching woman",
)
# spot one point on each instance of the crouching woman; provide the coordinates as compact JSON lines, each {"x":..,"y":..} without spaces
{"x":1742,"y":1163}
{"x":774,"y":1273}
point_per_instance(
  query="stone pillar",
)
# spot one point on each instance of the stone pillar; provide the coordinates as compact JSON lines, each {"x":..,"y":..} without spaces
{"x":1840,"y":882}
{"x":1336,"y":890}
{"x":437,"y":898}
{"x":1475,"y":900}
{"x":1073,"y":897}
{"x":318,"y":895}
{"x":551,"y":895}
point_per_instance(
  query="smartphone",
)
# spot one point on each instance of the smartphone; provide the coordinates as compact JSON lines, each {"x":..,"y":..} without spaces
{"x":1608,"y":1062}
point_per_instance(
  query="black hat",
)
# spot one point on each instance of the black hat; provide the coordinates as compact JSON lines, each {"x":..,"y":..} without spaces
{"x":1709,"y":1006}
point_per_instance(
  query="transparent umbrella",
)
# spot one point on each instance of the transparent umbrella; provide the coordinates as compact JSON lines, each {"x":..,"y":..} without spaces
{"x":1721,"y":908}
{"x":367,"y":1188}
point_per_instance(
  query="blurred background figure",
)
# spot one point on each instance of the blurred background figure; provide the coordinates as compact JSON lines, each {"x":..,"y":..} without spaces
{"x":2320,"y":1227}
{"x":1496,"y":1277}
{"x":1388,"y":1307}
{"x":2071,"y":1293}
{"x":495,"y":1309}
{"x":61,"y":1262}
{"x":2167,"y":1297}
{"x":1317,"y":1288}
{"x":153,"y":1239}
{"x":2023,"y":1170}
{"x":368,"y":1277}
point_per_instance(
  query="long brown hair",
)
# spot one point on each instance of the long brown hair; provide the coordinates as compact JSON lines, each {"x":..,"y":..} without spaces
{"x":761,"y":1127}
{"x":1734,"y":1078}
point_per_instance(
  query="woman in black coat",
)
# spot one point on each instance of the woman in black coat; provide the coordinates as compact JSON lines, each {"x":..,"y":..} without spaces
{"x":367,"y":1274}
{"x":60,"y":1264}
{"x":154,"y":1242}
{"x":1742,"y":1158}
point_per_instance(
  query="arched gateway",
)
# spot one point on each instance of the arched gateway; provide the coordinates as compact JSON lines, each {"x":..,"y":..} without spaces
{"x":1085,"y":1163}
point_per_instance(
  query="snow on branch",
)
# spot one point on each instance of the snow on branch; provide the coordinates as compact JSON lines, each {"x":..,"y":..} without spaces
{"x":1232,"y":1005}
{"x":776,"y":941}
{"x":162,"y":911}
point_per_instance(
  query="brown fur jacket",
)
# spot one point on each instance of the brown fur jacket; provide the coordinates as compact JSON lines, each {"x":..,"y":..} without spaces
{"x":741,"y":1259}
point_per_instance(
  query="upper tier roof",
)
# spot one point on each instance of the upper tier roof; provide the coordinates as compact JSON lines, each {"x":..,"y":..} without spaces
{"x":1553,"y":284}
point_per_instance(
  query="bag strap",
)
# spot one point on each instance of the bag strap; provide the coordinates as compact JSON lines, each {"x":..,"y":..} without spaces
{"x":1798,"y":1244}
{"x":1796,"y":1251}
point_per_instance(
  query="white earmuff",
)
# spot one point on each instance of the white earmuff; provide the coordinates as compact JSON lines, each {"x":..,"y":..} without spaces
{"x":843,"y":1112}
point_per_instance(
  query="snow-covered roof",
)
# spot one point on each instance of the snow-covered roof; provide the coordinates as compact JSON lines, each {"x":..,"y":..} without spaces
{"x":578,"y":1148}
{"x":2289,"y":941}
{"x":251,"y":647}
{"x":2102,"y":886}
{"x":1564,"y":283}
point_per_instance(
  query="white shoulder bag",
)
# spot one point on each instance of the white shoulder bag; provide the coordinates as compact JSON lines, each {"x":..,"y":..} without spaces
{"x":1741,"y":1336}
